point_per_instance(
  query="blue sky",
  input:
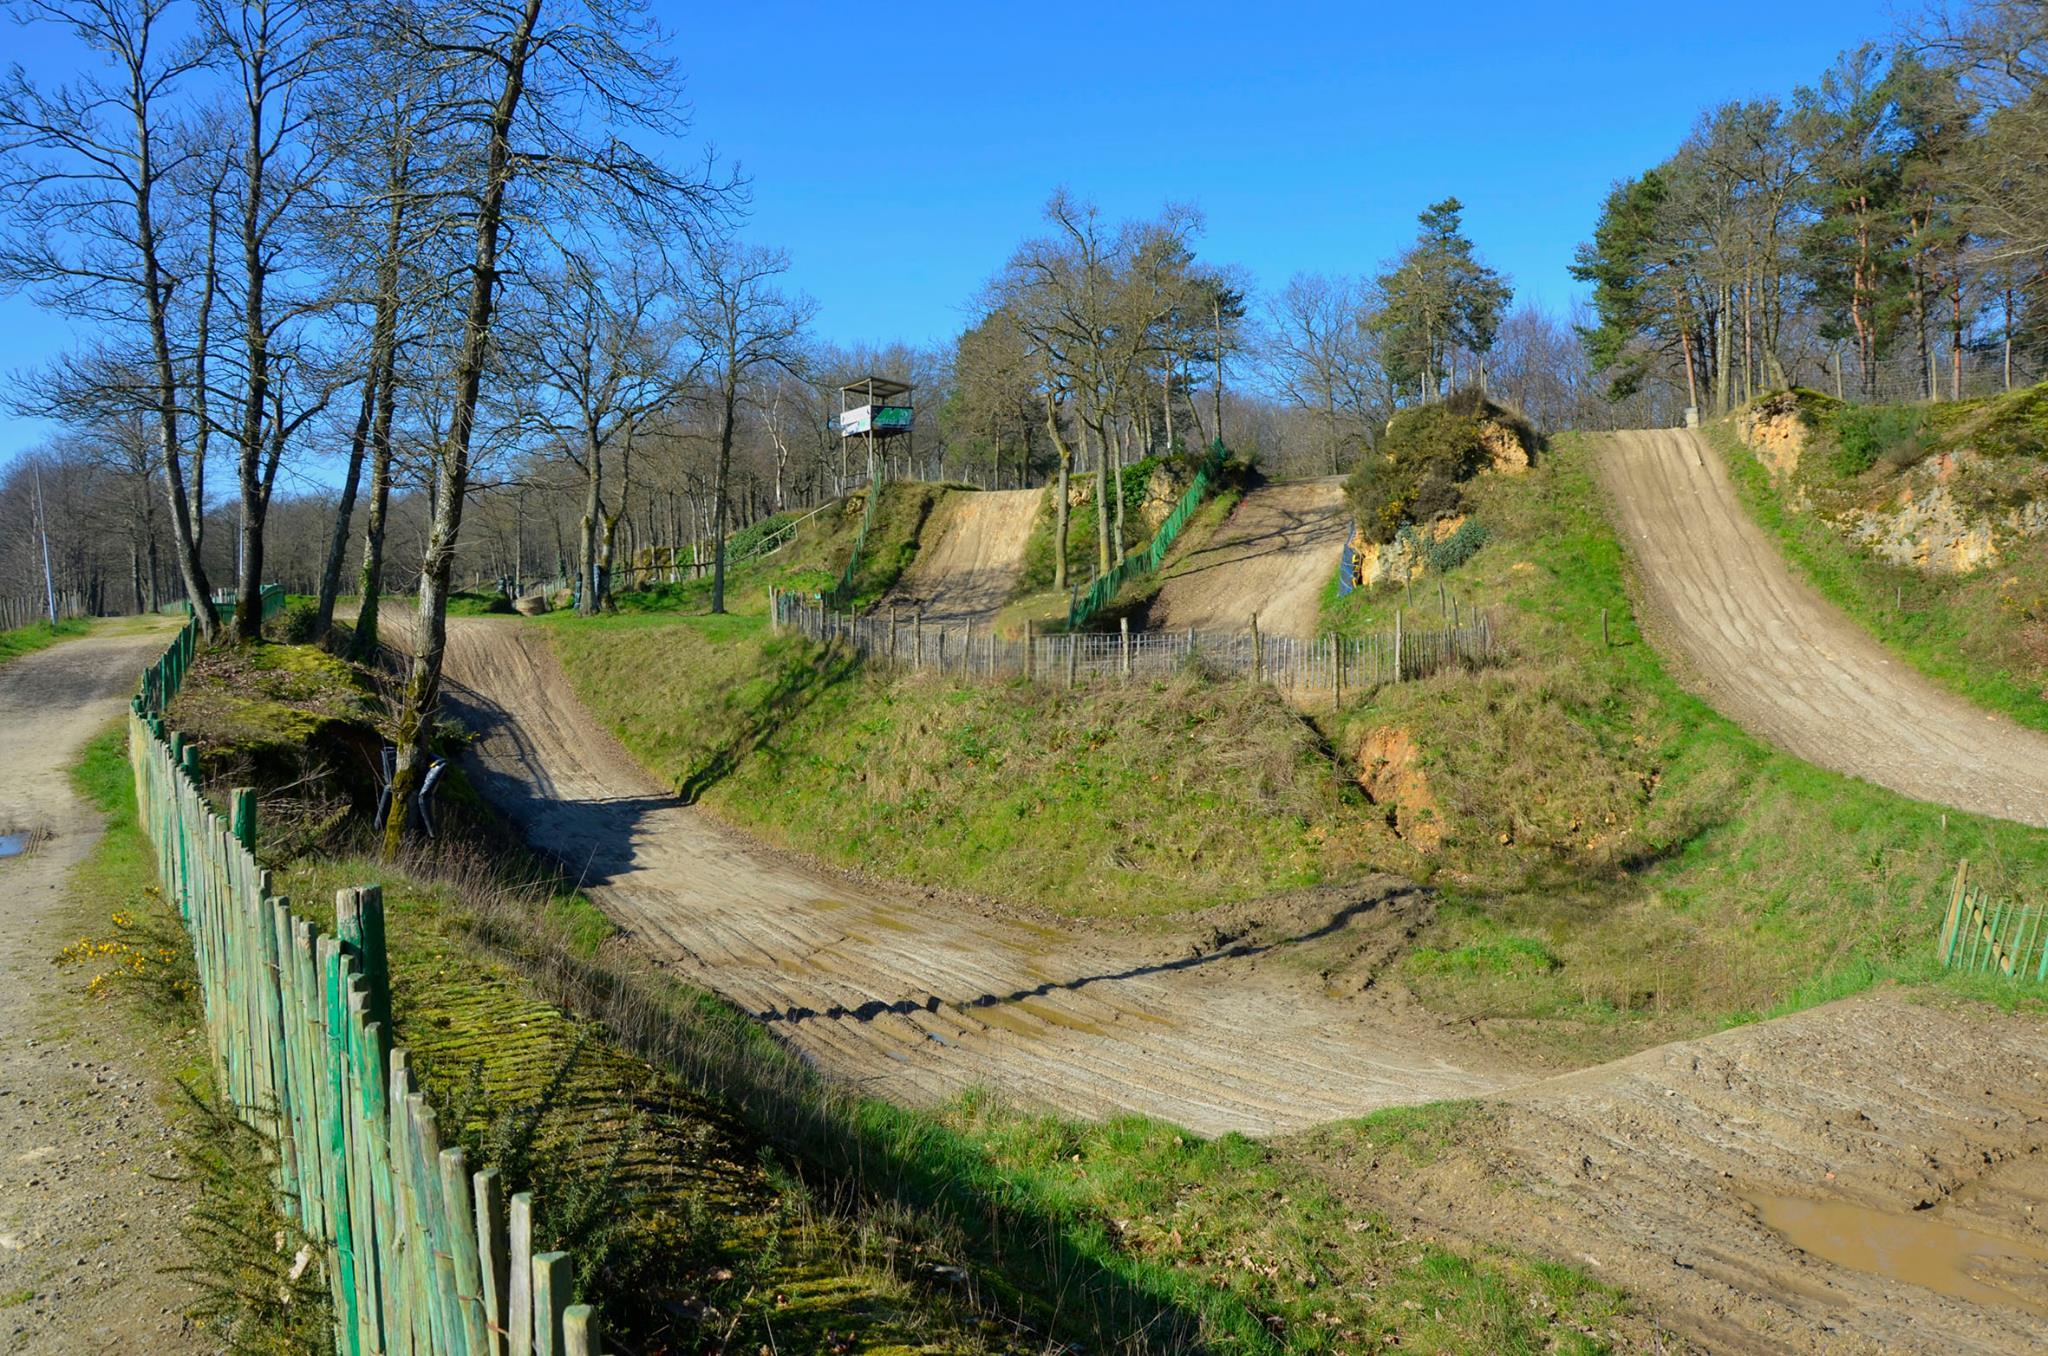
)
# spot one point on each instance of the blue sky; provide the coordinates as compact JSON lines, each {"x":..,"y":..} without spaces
{"x":899,"y":159}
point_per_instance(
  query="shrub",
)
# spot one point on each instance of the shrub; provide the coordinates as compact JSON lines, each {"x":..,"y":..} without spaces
{"x":298,"y":624}
{"x":747,"y":543}
{"x":1417,"y":475}
{"x":1454,"y":550}
{"x":1866,"y":434}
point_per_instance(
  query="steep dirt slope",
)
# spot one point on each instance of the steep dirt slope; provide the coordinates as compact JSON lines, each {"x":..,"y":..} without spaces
{"x":976,"y":554}
{"x":1866,"y":1176}
{"x":920,"y":998}
{"x":87,"y":1222}
{"x":1772,"y":654}
{"x":1274,"y":556}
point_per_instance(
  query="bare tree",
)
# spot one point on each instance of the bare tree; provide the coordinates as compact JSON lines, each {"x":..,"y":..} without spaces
{"x":1321,"y":355}
{"x":532,"y":91}
{"x":602,"y":354}
{"x":86,"y":167}
{"x":743,"y":325}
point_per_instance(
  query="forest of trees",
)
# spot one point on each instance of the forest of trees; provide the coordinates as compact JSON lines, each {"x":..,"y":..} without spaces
{"x":396,"y":300}
{"x":1880,"y":234}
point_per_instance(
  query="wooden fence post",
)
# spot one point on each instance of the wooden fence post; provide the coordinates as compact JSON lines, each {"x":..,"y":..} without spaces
{"x":1029,"y":629}
{"x":520,"y":1312}
{"x":579,"y":1330}
{"x":552,"y":1277}
{"x":491,"y":1255}
{"x":1123,"y":626}
{"x":1398,"y":614}
{"x":1258,"y":652}
{"x":242,"y":816}
{"x":1073,"y":656}
{"x":917,"y":639}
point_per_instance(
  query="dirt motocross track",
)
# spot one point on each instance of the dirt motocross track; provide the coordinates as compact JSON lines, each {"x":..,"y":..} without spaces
{"x":1769,"y":652}
{"x":919,"y":998}
{"x":1653,"y":1171}
{"x":1274,"y":556}
{"x":977,"y":555}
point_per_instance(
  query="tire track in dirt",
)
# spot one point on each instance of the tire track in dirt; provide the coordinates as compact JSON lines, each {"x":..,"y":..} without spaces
{"x":1273,"y":556}
{"x":918,"y":998}
{"x":1770,"y":653}
{"x":1651,"y":1172}
{"x":976,"y":556}
{"x":88,"y":1222}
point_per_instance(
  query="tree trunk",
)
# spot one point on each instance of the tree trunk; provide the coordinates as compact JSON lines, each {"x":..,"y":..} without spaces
{"x":1105,"y":449}
{"x":730,"y":405}
{"x":256,"y":339}
{"x":1061,"y":510}
{"x":370,"y":580}
{"x":422,"y":695}
{"x":345,"y":507}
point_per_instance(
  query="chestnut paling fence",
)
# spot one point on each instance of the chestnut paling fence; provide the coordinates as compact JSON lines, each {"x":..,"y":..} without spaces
{"x":421,"y":1255}
{"x":1991,"y":935}
{"x":1328,"y":664}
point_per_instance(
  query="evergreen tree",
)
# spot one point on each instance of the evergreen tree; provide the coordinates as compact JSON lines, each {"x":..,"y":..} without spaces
{"x":1439,"y":304}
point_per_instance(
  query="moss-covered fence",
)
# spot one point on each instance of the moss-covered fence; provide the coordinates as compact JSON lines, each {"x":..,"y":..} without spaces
{"x":421,"y":1256}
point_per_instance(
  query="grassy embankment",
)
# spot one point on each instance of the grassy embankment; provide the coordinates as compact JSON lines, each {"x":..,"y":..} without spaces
{"x":1619,"y":864}
{"x":810,"y":1209}
{"x":1984,"y":634}
{"x":20,"y":640}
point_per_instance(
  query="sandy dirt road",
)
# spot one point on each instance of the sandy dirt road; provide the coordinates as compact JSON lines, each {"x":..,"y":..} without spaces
{"x":1274,"y":556}
{"x":1866,"y":1176}
{"x":976,"y":554}
{"x":917,"y":998}
{"x":1770,"y":653}
{"x":86,"y":1226}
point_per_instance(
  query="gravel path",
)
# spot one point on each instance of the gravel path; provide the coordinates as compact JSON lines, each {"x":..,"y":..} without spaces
{"x":919,"y":998}
{"x":977,"y":553}
{"x":86,"y":1226}
{"x":1273,"y":556}
{"x":1774,"y":656}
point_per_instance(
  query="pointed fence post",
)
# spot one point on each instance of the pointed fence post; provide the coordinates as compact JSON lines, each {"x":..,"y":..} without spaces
{"x":242,"y":817}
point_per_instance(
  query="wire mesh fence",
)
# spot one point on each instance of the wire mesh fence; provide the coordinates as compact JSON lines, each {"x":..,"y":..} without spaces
{"x":1328,"y":664}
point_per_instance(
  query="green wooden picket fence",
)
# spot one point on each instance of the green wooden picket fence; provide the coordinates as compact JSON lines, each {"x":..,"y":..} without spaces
{"x":1145,"y":559}
{"x":421,"y":1256}
{"x":1993,"y":936}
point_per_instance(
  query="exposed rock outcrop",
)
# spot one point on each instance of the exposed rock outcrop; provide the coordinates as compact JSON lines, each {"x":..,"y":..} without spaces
{"x":1390,"y":773}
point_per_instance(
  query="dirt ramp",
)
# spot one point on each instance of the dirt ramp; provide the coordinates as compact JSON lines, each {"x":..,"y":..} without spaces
{"x":919,"y":998}
{"x":1865,"y":1176}
{"x":976,"y":556}
{"x":1274,"y":556}
{"x":1775,"y":656}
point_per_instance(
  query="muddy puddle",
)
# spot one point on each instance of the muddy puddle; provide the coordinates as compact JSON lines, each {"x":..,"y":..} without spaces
{"x":1920,"y":1248}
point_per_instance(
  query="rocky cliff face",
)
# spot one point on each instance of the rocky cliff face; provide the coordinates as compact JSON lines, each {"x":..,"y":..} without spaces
{"x":1954,"y":512}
